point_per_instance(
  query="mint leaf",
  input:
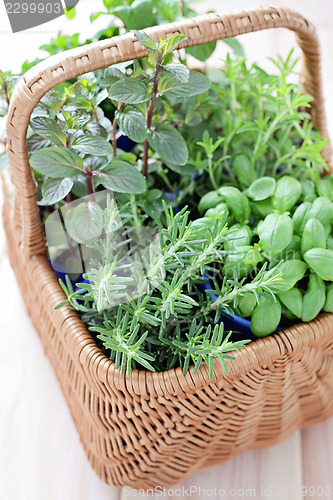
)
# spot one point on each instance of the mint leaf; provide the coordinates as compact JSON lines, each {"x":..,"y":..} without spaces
{"x":130,"y":91}
{"x":133,"y":124}
{"x":168,"y":143}
{"x":49,"y":129}
{"x":92,"y":145}
{"x":56,"y":162}
{"x":122,"y":178}
{"x":171,"y":43}
{"x":54,"y":190}
{"x":179,"y":71}
{"x":197,"y":84}
{"x":145,"y":40}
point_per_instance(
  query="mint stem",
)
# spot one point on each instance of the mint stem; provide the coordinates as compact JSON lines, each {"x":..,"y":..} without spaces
{"x":149,"y":121}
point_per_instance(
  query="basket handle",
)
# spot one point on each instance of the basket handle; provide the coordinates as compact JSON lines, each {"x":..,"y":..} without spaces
{"x":73,"y":63}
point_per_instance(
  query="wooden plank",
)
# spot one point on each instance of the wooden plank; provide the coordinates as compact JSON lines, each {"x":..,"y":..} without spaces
{"x":317,"y":446}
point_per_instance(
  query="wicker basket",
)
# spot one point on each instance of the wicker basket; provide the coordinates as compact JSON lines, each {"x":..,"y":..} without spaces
{"x":151,"y":429}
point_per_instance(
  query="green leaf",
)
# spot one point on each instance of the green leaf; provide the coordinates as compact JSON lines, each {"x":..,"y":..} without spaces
{"x":70,"y":12}
{"x":54,"y":190}
{"x":301,"y":216}
{"x":242,"y":167}
{"x":287,"y":192}
{"x":130,"y":91}
{"x":179,"y":71}
{"x":238,"y":236}
{"x":235,"y":45}
{"x":237,"y":202}
{"x":168,"y":143}
{"x":92,"y":145}
{"x":321,"y":209}
{"x":209,"y":200}
{"x":290,"y":271}
{"x":266,"y":316}
{"x":170,"y":44}
{"x":262,"y":188}
{"x":145,"y":40}
{"x":56,"y":162}
{"x":314,"y":298}
{"x":111,"y":76}
{"x":202,"y":52}
{"x":138,"y":15}
{"x":246,"y":304}
{"x":122,"y":178}
{"x":133,"y":124}
{"x":4,"y":163}
{"x":293,"y":301}
{"x":314,"y":235}
{"x":49,"y":129}
{"x":275,"y":233}
{"x":167,"y":9}
{"x":81,"y":224}
{"x":328,"y":307}
{"x":197,"y":84}
{"x":321,"y":262}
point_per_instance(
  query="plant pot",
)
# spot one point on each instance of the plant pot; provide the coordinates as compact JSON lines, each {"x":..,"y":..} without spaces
{"x":150,"y":429}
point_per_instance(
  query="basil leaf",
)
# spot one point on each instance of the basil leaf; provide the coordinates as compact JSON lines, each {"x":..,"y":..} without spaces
{"x":168,"y":143}
{"x":261,"y":189}
{"x":275,"y":233}
{"x":321,"y":262}
{"x":92,"y":145}
{"x":237,"y":202}
{"x":321,"y":209}
{"x":133,"y":124}
{"x":209,"y":200}
{"x":328,"y":307}
{"x":314,"y":235}
{"x":54,"y":190}
{"x":287,"y":192}
{"x":314,"y":298}
{"x":56,"y":162}
{"x":238,"y":236}
{"x":130,"y":91}
{"x":293,"y":301}
{"x":290,"y":272}
{"x":266,"y":316}
{"x":122,"y":178}
{"x":49,"y":129}
{"x":246,"y":304}
{"x":300,"y":217}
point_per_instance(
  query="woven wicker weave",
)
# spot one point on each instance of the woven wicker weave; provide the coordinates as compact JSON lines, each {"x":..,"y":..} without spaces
{"x":151,"y":429}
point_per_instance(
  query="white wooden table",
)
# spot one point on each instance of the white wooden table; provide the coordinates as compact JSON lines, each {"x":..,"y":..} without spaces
{"x":40,"y":453}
